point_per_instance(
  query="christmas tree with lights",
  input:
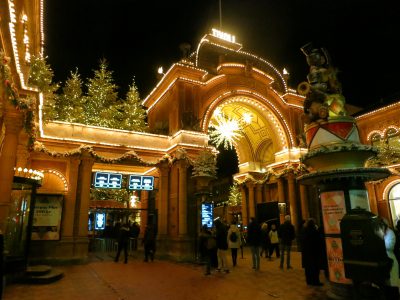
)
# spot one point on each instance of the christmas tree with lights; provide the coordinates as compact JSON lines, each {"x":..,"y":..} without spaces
{"x":70,"y":104}
{"x":41,"y":75}
{"x":128,"y":114}
{"x":102,"y":95}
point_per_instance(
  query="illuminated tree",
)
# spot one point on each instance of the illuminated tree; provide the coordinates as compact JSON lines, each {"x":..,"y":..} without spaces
{"x":70,"y":104}
{"x":102,"y":94}
{"x":41,"y":75}
{"x":235,"y":196}
{"x":129,"y":114}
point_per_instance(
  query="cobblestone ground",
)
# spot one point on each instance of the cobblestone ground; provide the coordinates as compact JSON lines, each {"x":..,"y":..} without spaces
{"x":105,"y":279}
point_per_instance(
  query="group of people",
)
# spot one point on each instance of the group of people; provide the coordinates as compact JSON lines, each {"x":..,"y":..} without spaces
{"x":214,"y":244}
{"x":149,"y":241}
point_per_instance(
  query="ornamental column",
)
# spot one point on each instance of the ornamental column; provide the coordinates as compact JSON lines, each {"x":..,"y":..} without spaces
{"x":182,"y":197}
{"x":70,"y":198}
{"x":259,"y":193}
{"x":252,"y":211}
{"x":162,"y":204}
{"x":245,"y":218}
{"x":281,"y":199}
{"x":13,"y":121}
{"x":305,"y":211}
{"x":292,"y":201}
{"x":83,"y":196}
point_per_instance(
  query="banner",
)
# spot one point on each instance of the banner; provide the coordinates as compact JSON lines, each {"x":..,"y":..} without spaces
{"x":47,"y":217}
{"x":333,"y":209}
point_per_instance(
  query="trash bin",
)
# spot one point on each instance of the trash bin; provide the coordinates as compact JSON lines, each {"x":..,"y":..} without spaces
{"x":364,"y":252}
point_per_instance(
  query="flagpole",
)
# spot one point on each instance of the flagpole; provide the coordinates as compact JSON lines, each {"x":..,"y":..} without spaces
{"x":220,"y":15}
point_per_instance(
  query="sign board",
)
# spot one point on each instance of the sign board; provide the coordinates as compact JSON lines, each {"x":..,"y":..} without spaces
{"x":107,"y":180}
{"x":333,"y":209}
{"x":207,"y":216}
{"x":100,"y":221}
{"x":138,"y":182}
{"x":47,"y":217}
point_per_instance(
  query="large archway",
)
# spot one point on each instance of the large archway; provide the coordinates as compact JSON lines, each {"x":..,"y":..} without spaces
{"x":260,"y":133}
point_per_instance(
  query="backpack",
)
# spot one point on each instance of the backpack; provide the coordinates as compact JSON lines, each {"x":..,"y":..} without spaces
{"x":233,"y":237}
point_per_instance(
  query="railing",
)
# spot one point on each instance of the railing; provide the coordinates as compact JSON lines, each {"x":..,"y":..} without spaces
{"x":111,"y":245}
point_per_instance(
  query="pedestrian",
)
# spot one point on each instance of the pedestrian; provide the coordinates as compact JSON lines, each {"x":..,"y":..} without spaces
{"x":207,"y":244}
{"x":311,"y":252}
{"x":286,"y":235}
{"x":265,"y":241}
{"x":135,"y":231}
{"x":123,"y":238}
{"x":274,"y":241}
{"x":254,"y":241}
{"x":149,"y":242}
{"x":234,"y":241}
{"x":222,"y":245}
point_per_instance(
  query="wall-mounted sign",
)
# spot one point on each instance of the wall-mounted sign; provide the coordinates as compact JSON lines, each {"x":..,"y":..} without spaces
{"x":138,"y":182}
{"x":107,"y":180}
{"x":207,"y":215}
{"x":100,"y":221}
{"x":47,"y":217}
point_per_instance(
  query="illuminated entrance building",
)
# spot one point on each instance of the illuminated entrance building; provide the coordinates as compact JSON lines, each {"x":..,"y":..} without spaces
{"x":219,"y":84}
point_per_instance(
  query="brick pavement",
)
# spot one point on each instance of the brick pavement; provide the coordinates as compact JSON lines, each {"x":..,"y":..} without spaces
{"x":104,"y":279}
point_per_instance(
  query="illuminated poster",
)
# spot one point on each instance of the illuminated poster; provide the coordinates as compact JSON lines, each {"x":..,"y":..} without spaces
{"x":359,"y":199}
{"x":334,"y":252}
{"x":138,"y":182}
{"x":333,"y":209}
{"x":207,"y":214}
{"x":100,"y":222}
{"x":47,"y":217}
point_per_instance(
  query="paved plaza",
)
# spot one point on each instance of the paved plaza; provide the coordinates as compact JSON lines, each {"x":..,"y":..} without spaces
{"x":104,"y":279}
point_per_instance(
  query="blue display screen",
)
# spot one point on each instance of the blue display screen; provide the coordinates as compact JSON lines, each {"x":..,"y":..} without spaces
{"x":107,"y":180}
{"x":100,"y":221}
{"x":207,"y":214}
{"x":138,"y":182}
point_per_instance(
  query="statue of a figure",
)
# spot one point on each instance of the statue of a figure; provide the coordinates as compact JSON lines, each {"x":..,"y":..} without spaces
{"x":322,"y":90}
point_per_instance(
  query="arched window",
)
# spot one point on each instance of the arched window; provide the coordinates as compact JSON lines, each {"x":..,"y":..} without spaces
{"x":394,"y":201}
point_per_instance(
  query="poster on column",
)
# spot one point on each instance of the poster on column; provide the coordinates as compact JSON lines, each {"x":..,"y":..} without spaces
{"x":47,"y":218}
{"x":334,"y":253}
{"x":333,"y":209}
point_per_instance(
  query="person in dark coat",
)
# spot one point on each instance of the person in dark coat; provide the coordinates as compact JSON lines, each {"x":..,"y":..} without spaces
{"x":207,"y":245}
{"x":123,"y":238}
{"x":149,"y":242}
{"x":265,"y":241}
{"x":221,"y":235}
{"x":312,"y":252}
{"x":254,"y":241}
{"x":286,"y":235}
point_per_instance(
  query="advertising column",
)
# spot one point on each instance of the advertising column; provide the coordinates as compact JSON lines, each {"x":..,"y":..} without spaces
{"x":333,"y":209}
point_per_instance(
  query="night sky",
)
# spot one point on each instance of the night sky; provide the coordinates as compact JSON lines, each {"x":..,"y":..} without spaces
{"x":136,"y":37}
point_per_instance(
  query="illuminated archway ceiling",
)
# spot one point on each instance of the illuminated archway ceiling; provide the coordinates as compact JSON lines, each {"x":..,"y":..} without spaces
{"x":260,"y":139}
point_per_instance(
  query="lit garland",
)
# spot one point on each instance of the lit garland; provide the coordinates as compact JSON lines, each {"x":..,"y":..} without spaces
{"x":24,"y":104}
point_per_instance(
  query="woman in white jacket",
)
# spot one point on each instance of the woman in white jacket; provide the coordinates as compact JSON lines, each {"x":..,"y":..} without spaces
{"x":234,"y":240}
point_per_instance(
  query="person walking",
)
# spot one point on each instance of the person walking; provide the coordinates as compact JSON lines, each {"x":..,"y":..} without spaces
{"x":311,"y":252}
{"x":265,"y":241}
{"x":234,"y":241}
{"x":254,"y":241}
{"x":149,"y":242}
{"x":207,"y":244}
{"x":274,"y":241}
{"x":222,"y":245}
{"x":123,"y":238}
{"x":286,"y":235}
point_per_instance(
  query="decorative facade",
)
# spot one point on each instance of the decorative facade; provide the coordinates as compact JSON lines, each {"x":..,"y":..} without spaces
{"x":219,"y":79}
